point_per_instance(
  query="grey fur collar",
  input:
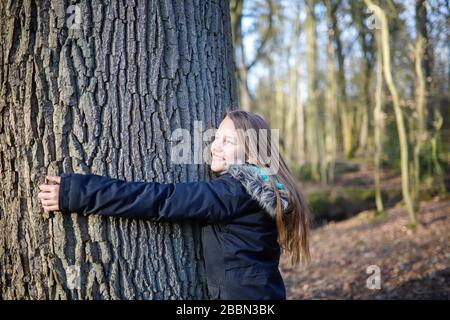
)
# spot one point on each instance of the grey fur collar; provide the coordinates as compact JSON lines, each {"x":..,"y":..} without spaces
{"x":259,"y":187}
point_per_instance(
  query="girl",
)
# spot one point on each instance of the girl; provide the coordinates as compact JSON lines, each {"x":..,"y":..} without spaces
{"x":248,"y":214}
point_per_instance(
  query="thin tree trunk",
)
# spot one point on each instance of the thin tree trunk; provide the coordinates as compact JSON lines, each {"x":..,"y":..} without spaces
{"x":331,"y":99}
{"x":343,"y":106}
{"x":438,"y":170}
{"x":312,"y":136}
{"x":398,"y":112}
{"x":421,"y":133}
{"x":238,"y":41}
{"x":243,"y":67}
{"x":378,"y":126}
{"x":99,"y":90}
{"x":290,"y":121}
{"x":280,"y":110}
{"x":366,"y":73}
{"x":429,"y":113}
{"x":301,"y":157}
{"x":300,"y":110}
{"x":293,"y":79}
{"x":427,"y":60}
{"x":244,"y":94}
{"x":272,"y":100}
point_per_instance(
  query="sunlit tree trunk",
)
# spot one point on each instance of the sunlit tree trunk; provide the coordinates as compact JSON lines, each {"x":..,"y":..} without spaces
{"x":429,"y":119}
{"x":300,"y":110}
{"x":344,"y":109}
{"x":290,"y":119}
{"x":293,"y":142}
{"x":331,"y":99}
{"x":378,"y":117}
{"x":420,"y":134}
{"x":366,"y":73}
{"x":385,"y":47}
{"x":312,"y":120}
{"x":280,"y":102}
{"x":436,"y":150}
{"x":243,"y":65}
{"x":301,"y":154}
{"x":427,"y":60}
{"x":98,"y":88}
{"x":237,"y":7}
{"x":271,"y":101}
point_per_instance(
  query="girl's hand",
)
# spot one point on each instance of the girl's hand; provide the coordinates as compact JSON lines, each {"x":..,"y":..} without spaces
{"x":49,"y":195}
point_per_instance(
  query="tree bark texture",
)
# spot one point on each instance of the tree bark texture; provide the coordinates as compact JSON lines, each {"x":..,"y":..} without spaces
{"x":98,"y":87}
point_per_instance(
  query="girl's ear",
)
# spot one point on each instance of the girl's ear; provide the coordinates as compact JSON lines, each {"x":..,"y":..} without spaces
{"x":251,"y":160}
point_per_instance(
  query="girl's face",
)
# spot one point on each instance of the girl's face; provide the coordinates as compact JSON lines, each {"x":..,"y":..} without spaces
{"x":225,"y":148}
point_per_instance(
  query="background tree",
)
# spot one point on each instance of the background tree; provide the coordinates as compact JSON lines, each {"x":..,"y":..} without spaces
{"x":98,"y":88}
{"x":378,"y":117}
{"x":404,"y":152}
{"x":344,"y":106}
{"x":366,"y":42}
{"x":331,"y":92}
{"x":264,"y":10}
{"x":313,"y":131}
{"x":335,"y":68}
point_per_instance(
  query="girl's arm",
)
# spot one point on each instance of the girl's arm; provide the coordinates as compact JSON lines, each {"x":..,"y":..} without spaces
{"x":210,"y":202}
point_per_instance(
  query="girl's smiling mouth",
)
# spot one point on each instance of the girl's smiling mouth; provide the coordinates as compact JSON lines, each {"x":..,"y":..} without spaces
{"x":218,"y":158}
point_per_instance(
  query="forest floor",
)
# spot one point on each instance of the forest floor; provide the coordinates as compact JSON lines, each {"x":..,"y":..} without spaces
{"x":413,"y":263}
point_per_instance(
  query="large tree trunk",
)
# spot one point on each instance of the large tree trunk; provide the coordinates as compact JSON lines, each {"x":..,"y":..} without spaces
{"x":96,"y":88}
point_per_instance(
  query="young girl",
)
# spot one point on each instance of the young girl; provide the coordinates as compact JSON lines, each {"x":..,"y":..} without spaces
{"x":248,"y":214}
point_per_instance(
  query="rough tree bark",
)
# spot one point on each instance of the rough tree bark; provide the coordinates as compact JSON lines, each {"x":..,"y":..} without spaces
{"x":98,"y":88}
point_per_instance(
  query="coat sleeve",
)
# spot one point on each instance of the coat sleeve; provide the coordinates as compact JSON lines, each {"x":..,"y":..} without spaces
{"x":208,"y":202}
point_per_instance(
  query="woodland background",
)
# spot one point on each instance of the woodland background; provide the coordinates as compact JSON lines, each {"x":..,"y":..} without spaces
{"x":360,"y":92}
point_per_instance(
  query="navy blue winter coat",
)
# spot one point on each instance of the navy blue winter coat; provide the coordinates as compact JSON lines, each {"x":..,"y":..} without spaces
{"x":236,"y":211}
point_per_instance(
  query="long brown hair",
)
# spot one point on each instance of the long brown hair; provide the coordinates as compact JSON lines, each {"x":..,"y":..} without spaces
{"x":293,"y":227}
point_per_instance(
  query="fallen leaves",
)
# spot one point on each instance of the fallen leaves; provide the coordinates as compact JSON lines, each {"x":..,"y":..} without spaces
{"x":414,"y":263}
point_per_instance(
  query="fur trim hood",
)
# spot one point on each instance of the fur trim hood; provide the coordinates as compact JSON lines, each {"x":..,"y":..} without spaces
{"x":259,"y":186}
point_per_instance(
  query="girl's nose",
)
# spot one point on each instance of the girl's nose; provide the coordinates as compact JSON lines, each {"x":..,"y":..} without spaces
{"x":216,"y":146}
